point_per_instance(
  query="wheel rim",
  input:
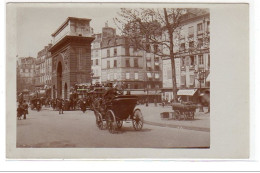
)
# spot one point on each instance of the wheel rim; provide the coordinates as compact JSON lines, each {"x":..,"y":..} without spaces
{"x":137,"y":120}
{"x":99,"y":121}
{"x":110,"y":121}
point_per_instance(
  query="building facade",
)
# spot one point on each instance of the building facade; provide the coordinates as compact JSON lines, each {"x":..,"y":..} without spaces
{"x":96,"y":59}
{"x":25,"y":74}
{"x":192,"y":57}
{"x":43,"y":71}
{"x":121,"y":63}
{"x":71,"y":55}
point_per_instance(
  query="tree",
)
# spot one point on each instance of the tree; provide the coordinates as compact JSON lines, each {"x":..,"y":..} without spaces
{"x":156,"y":27}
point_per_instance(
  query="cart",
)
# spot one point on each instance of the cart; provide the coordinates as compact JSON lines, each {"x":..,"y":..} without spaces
{"x":184,"y":111}
{"x":111,"y":114}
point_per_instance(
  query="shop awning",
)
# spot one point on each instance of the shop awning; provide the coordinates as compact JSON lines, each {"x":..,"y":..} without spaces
{"x":208,"y":78}
{"x":186,"y":92}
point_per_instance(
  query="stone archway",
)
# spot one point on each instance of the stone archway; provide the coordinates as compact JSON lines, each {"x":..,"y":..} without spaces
{"x":59,"y":80}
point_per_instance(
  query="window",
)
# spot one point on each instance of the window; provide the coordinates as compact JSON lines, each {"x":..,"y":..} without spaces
{"x":199,"y":27}
{"x":115,"y":63}
{"x":147,"y":47}
{"x":208,"y":26}
{"x":91,"y":62}
{"x":208,"y":60}
{"x":191,"y":60}
{"x":108,"y":76}
{"x":192,"y":79}
{"x":200,"y":43}
{"x":127,"y":51}
{"x":183,"y":80}
{"x":182,"y":48}
{"x":201,"y":60}
{"x":136,"y":76}
{"x":108,"y":52}
{"x":156,"y":76}
{"x":136,"y":86}
{"x":115,"y":51}
{"x":191,"y":44}
{"x":155,"y":47}
{"x":115,"y":76}
{"x":127,"y":75}
{"x":96,"y":61}
{"x":135,"y":62}
{"x":127,"y":62}
{"x":182,"y":61}
{"x":191,"y":31}
{"x":108,"y":64}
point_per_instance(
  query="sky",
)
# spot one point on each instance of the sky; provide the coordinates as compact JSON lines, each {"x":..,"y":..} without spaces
{"x":36,"y":23}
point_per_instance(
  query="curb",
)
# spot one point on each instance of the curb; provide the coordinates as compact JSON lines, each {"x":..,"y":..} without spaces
{"x":203,"y":129}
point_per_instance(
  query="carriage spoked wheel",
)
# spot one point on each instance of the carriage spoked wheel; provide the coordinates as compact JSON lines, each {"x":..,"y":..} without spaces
{"x":99,"y":120}
{"x":111,"y":121}
{"x":192,"y":115}
{"x":119,"y":124}
{"x":137,"y":120}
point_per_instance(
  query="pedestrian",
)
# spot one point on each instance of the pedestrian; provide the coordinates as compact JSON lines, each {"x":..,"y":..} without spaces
{"x":19,"y":112}
{"x":25,"y":109}
{"x":60,"y":106}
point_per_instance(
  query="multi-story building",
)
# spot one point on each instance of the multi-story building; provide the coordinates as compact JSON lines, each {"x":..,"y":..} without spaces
{"x":25,"y":74}
{"x":96,"y":59}
{"x":192,"y":56}
{"x":43,"y":71}
{"x":153,"y":76}
{"x":121,"y":63}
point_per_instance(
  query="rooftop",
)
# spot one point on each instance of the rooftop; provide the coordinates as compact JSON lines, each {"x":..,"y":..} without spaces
{"x":65,"y":23}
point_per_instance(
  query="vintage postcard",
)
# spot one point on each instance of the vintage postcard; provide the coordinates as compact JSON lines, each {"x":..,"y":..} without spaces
{"x":142,"y":80}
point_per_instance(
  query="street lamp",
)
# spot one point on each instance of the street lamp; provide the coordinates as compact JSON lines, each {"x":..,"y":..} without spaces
{"x":200,"y":76}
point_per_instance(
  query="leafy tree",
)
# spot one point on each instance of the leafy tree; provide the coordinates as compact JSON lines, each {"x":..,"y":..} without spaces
{"x":153,"y":30}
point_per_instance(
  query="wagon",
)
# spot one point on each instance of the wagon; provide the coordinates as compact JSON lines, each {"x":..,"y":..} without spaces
{"x":184,"y":111}
{"x":111,"y":114}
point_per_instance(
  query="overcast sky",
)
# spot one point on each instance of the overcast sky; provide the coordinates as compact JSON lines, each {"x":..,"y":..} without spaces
{"x":36,"y":24}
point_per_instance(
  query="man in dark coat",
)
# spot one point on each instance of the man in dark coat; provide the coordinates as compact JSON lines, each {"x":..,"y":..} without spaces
{"x":60,"y":105}
{"x":25,"y":109}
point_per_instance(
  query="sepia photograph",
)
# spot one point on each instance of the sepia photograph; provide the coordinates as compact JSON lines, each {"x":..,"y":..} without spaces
{"x":137,"y":77}
{"x":104,"y":76}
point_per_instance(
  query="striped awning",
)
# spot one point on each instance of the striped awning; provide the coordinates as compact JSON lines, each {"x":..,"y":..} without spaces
{"x":186,"y":92}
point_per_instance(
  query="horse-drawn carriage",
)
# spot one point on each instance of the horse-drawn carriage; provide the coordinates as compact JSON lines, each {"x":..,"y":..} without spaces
{"x":111,"y":111}
{"x":184,"y":111}
{"x":35,"y":103}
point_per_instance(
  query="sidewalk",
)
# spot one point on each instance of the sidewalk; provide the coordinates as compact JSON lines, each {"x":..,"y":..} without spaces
{"x":152,"y":116}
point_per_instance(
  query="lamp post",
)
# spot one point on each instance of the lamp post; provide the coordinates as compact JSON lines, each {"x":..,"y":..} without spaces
{"x":200,"y":77}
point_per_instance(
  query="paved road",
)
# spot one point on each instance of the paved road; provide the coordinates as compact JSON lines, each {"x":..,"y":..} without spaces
{"x":48,"y":129}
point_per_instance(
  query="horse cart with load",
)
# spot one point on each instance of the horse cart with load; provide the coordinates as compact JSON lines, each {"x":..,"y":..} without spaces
{"x":184,"y":111}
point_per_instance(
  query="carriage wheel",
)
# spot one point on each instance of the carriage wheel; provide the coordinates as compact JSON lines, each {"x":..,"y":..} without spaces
{"x":119,"y":124}
{"x":138,"y":120}
{"x":99,"y":121}
{"x":186,"y":115}
{"x":192,"y":115}
{"x":110,"y":118}
{"x":179,"y":115}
